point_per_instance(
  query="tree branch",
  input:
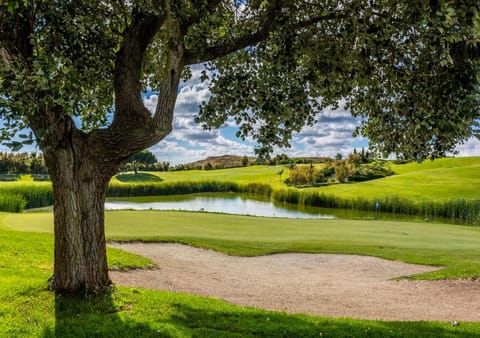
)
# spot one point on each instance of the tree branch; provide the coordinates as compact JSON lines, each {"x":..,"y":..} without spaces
{"x":133,"y":127}
{"x":129,"y":108}
{"x":199,"y":55}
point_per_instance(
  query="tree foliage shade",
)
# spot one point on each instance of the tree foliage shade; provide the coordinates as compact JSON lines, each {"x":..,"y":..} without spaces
{"x":409,"y":69}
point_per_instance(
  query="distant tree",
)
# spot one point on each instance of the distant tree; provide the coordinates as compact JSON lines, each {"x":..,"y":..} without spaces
{"x":355,"y":159}
{"x":343,"y":170}
{"x":144,"y":157}
{"x":37,"y":164}
{"x":244,"y":161}
{"x":165,"y":166}
{"x":338,"y":156}
{"x":299,"y":175}
{"x":302,"y":175}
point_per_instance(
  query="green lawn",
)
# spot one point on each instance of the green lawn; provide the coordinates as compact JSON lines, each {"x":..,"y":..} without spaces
{"x":28,"y":309}
{"x":455,"y":247}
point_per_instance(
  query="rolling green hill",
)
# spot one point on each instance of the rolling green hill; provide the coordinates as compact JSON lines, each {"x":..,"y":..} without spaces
{"x":441,"y":179}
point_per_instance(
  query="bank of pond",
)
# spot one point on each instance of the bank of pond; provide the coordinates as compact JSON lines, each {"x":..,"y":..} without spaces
{"x":255,"y":199}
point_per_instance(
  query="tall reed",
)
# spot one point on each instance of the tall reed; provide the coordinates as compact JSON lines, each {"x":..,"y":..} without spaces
{"x":170,"y":188}
{"x":12,"y":202}
{"x":36,"y":195}
{"x":459,"y":210}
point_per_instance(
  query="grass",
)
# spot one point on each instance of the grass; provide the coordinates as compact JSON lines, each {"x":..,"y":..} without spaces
{"x":455,"y":247}
{"x":28,"y":309}
{"x":439,"y":180}
{"x":135,"y":178}
{"x":242,"y":175}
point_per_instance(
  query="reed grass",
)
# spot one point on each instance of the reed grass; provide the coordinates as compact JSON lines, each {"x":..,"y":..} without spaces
{"x":35,"y":195}
{"x":12,"y":202}
{"x":170,"y":188}
{"x":466,"y":211}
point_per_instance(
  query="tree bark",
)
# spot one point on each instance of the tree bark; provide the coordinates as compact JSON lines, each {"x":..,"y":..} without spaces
{"x":80,"y":183}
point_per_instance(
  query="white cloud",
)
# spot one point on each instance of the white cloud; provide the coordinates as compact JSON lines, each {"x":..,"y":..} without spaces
{"x":471,"y":147}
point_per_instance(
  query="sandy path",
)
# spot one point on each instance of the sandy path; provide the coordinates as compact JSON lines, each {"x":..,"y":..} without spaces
{"x":319,"y":284}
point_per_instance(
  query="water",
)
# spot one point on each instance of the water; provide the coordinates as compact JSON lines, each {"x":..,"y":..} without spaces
{"x":221,"y":203}
{"x":231,"y":203}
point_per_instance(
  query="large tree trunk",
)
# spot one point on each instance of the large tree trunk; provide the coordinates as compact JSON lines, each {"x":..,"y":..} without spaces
{"x":79,"y":183}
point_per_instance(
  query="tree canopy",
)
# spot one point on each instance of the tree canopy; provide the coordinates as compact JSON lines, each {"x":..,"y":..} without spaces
{"x":409,"y":69}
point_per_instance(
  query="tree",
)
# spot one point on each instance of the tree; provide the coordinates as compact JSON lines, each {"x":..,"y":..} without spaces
{"x":343,"y":170}
{"x":410,"y":69}
{"x":244,"y":161}
{"x":355,"y":159}
{"x":145,"y":157}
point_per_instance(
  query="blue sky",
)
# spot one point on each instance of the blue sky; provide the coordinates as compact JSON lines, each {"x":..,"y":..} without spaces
{"x":188,"y":141}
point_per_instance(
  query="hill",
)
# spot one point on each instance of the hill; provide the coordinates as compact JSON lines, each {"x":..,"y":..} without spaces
{"x":233,"y":161}
{"x":220,"y":162}
{"x":441,"y":179}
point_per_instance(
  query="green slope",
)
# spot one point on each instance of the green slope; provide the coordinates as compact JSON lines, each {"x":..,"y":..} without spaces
{"x":441,"y":179}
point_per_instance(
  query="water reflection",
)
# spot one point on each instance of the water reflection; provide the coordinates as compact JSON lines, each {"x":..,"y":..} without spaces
{"x":223,"y":203}
{"x":244,"y":204}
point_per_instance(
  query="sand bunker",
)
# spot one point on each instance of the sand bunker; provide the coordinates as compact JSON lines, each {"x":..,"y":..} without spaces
{"x":319,"y":284}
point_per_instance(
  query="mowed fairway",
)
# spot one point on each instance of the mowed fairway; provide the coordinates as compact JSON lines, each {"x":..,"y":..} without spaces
{"x":455,"y":247}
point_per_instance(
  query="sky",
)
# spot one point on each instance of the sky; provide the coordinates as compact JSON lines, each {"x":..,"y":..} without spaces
{"x":189,"y":142}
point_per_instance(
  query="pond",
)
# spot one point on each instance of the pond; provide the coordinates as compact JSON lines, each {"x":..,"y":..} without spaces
{"x":241,"y":204}
{"x":213,"y":202}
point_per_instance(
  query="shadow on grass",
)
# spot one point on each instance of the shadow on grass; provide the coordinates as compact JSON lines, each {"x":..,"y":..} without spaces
{"x":138,"y":178}
{"x":95,"y":316}
{"x":240,"y":323}
{"x":176,"y":315}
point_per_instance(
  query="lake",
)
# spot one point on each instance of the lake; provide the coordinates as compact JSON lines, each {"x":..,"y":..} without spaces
{"x":241,"y":204}
{"x":214,"y":202}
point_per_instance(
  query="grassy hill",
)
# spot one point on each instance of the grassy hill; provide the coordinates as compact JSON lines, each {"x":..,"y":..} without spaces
{"x":441,"y":179}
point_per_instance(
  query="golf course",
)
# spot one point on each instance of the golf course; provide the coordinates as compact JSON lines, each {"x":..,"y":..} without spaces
{"x":449,"y":252}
